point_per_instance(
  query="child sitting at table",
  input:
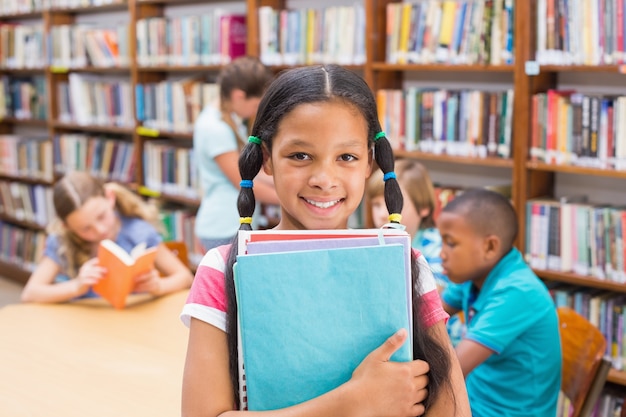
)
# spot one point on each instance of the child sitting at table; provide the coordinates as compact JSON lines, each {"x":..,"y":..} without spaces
{"x":88,"y":212}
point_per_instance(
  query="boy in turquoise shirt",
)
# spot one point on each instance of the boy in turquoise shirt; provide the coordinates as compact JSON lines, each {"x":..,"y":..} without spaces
{"x":511,"y":352}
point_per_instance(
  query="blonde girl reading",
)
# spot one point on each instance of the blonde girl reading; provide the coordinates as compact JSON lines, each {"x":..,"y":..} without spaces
{"x":89,"y":211}
{"x":316,"y":132}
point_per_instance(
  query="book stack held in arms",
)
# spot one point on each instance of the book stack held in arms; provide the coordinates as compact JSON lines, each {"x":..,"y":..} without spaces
{"x":312,"y":305}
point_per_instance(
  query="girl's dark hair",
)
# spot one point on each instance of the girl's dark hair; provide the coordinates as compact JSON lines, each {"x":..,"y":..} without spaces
{"x":317,"y":84}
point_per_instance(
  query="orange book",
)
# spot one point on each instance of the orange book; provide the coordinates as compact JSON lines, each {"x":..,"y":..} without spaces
{"x":122,"y":268}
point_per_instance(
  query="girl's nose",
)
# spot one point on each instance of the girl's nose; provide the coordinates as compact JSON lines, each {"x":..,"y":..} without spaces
{"x":323,"y":176}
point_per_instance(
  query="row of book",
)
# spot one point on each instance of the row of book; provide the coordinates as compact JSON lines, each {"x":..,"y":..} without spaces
{"x":78,"y":46}
{"x":104,"y":157}
{"x":22,"y":46}
{"x":11,"y":7}
{"x":609,"y":404}
{"x":606,"y":310}
{"x":174,"y":105}
{"x":20,"y":246}
{"x":570,"y":235}
{"x":26,"y":202}
{"x":454,"y":122}
{"x":170,"y":169}
{"x":89,"y":99}
{"x":574,"y":32}
{"x":307,"y":36}
{"x":450,"y":32}
{"x":23,"y":97}
{"x":211,"y":38}
{"x":579,"y":129}
{"x":178,"y":225}
{"x":26,"y":156}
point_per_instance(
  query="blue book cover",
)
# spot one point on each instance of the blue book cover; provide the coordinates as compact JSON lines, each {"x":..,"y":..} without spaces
{"x":308,"y":318}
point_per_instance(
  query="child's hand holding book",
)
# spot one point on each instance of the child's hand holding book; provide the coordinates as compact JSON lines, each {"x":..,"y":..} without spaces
{"x":125,"y":272}
{"x":89,"y":274}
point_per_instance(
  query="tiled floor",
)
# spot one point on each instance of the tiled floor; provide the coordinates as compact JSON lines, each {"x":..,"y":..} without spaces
{"x":9,"y":291}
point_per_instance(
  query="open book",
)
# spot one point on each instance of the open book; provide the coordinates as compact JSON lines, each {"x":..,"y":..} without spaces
{"x":312,"y":305}
{"x":122,"y":267}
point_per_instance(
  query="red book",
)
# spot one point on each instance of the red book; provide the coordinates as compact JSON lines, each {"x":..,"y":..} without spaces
{"x":233,"y":37}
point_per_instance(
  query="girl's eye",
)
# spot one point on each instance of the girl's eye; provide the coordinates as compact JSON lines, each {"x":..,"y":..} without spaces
{"x":300,"y":156}
{"x":347,"y":157}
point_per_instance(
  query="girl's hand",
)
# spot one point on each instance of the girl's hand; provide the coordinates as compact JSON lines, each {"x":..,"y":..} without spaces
{"x":149,"y":282}
{"x":88,"y":274}
{"x":391,"y":389}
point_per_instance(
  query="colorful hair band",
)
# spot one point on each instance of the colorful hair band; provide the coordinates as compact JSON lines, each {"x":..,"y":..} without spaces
{"x":395,"y":217}
{"x":389,"y":175}
{"x":379,"y":135}
{"x":245,"y":184}
{"x":254,"y":139}
{"x":245,"y":220}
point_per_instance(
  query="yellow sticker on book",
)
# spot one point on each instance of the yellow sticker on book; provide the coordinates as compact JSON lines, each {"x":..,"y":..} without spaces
{"x":148,"y":192}
{"x":146,"y":131}
{"x":59,"y":70}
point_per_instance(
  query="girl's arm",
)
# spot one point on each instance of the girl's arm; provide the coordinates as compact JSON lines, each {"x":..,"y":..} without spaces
{"x":378,"y":387}
{"x":452,"y":400}
{"x":170,"y":275}
{"x":41,"y":287}
{"x":264,"y":190}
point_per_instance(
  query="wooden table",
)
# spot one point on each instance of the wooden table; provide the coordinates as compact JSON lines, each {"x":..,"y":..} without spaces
{"x":87,"y":359}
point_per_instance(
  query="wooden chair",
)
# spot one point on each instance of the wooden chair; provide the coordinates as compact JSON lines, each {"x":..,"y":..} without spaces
{"x":584,"y":367}
{"x":180,"y":250}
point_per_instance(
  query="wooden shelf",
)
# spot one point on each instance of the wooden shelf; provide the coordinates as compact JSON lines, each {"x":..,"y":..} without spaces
{"x":90,"y":69}
{"x":121,"y":7}
{"x":486,"y":162}
{"x":25,"y":122}
{"x":585,"y":281}
{"x":179,"y":68}
{"x":20,"y":178}
{"x":573,"y":169}
{"x":617,"y":377}
{"x":14,"y":272}
{"x":620,"y":69}
{"x":22,"y":223}
{"x":383,"y":66}
{"x":21,"y":16}
{"x":23,"y":71}
{"x":94,"y":128}
{"x":164,"y":134}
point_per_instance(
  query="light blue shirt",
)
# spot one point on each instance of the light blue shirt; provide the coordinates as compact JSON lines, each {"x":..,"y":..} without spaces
{"x":217,"y":217}
{"x":513,"y":315}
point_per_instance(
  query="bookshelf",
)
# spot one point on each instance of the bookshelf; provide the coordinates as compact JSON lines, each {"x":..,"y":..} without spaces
{"x":529,"y":178}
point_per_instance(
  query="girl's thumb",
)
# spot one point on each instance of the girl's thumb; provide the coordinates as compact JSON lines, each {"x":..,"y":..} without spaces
{"x":384,"y":352}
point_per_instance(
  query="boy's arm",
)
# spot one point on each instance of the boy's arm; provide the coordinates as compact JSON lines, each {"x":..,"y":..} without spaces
{"x":449,"y":309}
{"x":471,"y":354}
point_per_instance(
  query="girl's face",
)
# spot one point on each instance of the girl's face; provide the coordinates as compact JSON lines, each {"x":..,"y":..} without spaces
{"x":95,"y":220}
{"x":320,"y":161}
{"x":411,"y":218}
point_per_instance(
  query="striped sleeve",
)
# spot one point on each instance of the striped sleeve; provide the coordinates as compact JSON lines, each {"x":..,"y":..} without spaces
{"x":207,"y":297}
{"x":432,"y":310}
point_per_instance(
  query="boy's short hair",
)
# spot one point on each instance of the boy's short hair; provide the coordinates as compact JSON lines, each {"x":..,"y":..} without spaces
{"x":488,"y":213}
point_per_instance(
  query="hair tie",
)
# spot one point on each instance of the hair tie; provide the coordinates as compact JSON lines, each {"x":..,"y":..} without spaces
{"x":379,"y":135}
{"x":389,"y":175}
{"x":246,"y":184}
{"x":395,"y":217}
{"x":245,"y":220}
{"x":254,"y":139}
